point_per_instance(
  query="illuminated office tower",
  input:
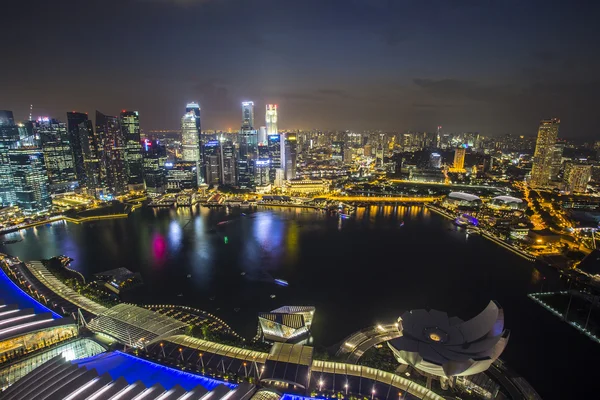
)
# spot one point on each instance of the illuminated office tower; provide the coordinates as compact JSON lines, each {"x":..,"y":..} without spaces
{"x":262,"y":136}
{"x":544,"y":149}
{"x":247,"y":149}
{"x":435,"y":160}
{"x":577,"y":177}
{"x":247,"y":155}
{"x":271,"y":119}
{"x":274,"y":146}
{"x":113,"y":154}
{"x":212,"y":162}
{"x":459,"y":158}
{"x":58,"y":154}
{"x":9,"y":139}
{"x":228,"y":163}
{"x":263,"y":167}
{"x":7,"y":118}
{"x":130,"y":124}
{"x":248,"y":115}
{"x":77,"y":128}
{"x":155,"y":174}
{"x":337,"y":151}
{"x":30,"y":180}
{"x":195,"y":109}
{"x":557,"y":153}
{"x":290,"y":155}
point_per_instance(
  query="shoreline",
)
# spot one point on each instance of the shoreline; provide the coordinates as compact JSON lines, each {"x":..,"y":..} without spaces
{"x":488,"y":236}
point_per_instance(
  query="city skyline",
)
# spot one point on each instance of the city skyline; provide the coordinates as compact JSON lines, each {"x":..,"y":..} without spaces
{"x":412,"y":66}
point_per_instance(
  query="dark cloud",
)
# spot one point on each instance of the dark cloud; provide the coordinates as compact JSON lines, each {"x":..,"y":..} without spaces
{"x":333,"y":92}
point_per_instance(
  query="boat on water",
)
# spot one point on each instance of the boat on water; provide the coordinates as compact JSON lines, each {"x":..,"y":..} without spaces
{"x":223,"y":222}
{"x":281,"y":282}
{"x":401,"y":224}
{"x":273,"y":296}
{"x":344,"y":216}
{"x":189,"y":275}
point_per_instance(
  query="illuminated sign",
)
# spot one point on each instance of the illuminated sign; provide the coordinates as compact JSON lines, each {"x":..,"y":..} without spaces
{"x":169,"y":164}
{"x":262,"y":163}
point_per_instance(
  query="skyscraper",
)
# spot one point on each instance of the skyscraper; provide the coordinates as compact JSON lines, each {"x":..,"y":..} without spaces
{"x":58,"y":154}
{"x":190,"y":140}
{"x":541,"y":170}
{"x":77,"y":129}
{"x":577,"y":177}
{"x":435,"y":160}
{"x":195,"y":109}
{"x":30,"y":180}
{"x":114,"y":159}
{"x":248,"y":115}
{"x":459,"y":158}
{"x":228,"y":163}
{"x":290,"y":155}
{"x":262,"y":136}
{"x":9,"y":138}
{"x":274,"y":146}
{"x":130,"y":125}
{"x":6,"y":117}
{"x":155,"y":175}
{"x":212,"y":161}
{"x":271,"y":119}
{"x":557,"y":153}
{"x":247,"y":155}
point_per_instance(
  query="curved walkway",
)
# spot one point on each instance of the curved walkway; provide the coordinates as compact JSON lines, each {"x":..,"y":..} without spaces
{"x":355,"y":345}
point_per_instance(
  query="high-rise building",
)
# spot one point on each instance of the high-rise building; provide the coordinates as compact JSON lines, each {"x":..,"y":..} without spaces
{"x":114,"y":159}
{"x":212,"y":162}
{"x":247,"y":155}
{"x":262,"y":136}
{"x":182,"y":175}
{"x":290,"y":155}
{"x":435,"y":160}
{"x":248,"y":115}
{"x":577,"y":177}
{"x":263,"y":167}
{"x":274,"y":146}
{"x":557,"y":153}
{"x":459,"y":159}
{"x":7,"y":118}
{"x":130,"y":125}
{"x":228,"y":163}
{"x":58,"y":154}
{"x":190,"y":141}
{"x":9,"y":139}
{"x":30,"y":180}
{"x":194,"y":108}
{"x":337,"y":151}
{"x":271,"y":119}
{"x":155,"y":175}
{"x":541,"y":170}
{"x":77,"y":128}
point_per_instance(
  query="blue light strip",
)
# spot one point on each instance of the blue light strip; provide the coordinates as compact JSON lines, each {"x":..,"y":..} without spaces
{"x":133,"y":369}
{"x":11,"y":293}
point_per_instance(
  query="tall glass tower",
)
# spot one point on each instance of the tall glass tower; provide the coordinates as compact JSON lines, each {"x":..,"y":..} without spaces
{"x":248,"y":148}
{"x":541,"y":170}
{"x":271,"y":119}
{"x":191,"y":142}
{"x":9,"y":138}
{"x":114,"y":156}
{"x":76,"y":124}
{"x":30,"y":179}
{"x":130,"y":124}
{"x":248,"y":115}
{"x":58,"y":154}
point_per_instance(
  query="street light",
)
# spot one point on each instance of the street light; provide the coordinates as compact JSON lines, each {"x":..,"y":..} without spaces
{"x":346,"y":386}
{"x":372,"y":393}
{"x":320,"y":385}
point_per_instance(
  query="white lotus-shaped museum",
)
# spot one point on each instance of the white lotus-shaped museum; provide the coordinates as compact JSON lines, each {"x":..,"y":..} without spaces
{"x":446,"y":346}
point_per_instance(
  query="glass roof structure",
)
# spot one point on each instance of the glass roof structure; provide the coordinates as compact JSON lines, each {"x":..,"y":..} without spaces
{"x":134,"y":326}
{"x":12,"y":294}
{"x":41,"y":273}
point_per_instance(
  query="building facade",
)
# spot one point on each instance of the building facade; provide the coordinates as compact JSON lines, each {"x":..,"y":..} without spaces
{"x":9,"y":138}
{"x":541,"y":171}
{"x":58,"y":154}
{"x":271,"y":119}
{"x":30,"y":180}
{"x":577,"y":177}
{"x":114,"y":158}
{"x":77,"y":124}
{"x":212,"y":162}
{"x":130,"y":125}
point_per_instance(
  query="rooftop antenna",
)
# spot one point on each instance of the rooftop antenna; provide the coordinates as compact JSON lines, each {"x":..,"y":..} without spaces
{"x":31,"y":112}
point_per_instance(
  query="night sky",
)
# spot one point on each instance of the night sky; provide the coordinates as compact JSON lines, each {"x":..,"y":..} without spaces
{"x":489,"y":66}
